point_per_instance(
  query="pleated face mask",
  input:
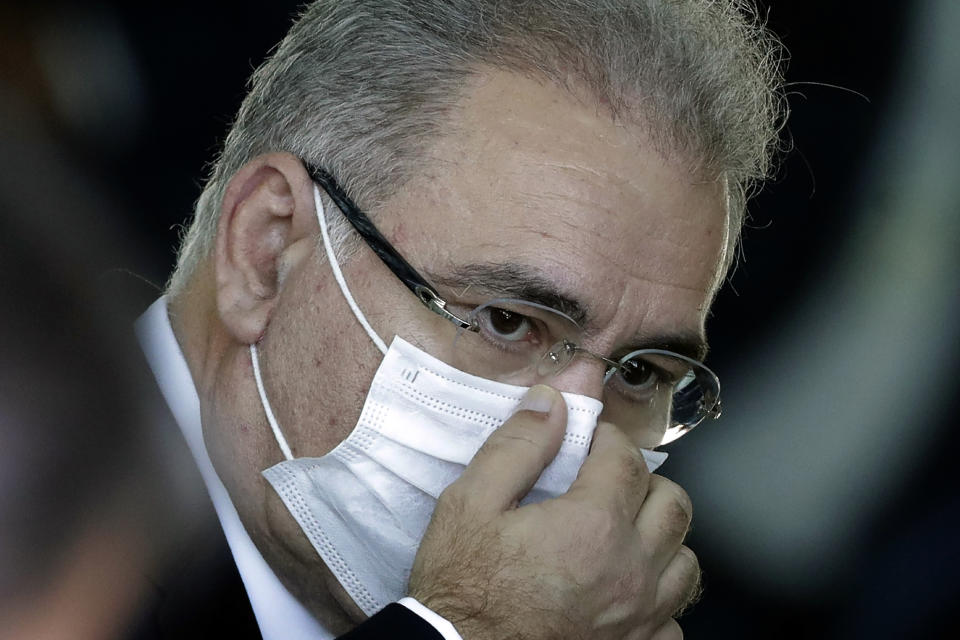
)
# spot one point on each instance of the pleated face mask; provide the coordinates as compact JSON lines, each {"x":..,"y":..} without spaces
{"x":365,"y":505}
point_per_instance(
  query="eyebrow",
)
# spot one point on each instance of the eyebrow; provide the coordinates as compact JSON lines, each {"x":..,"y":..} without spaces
{"x":690,"y":344}
{"x":513,"y":280}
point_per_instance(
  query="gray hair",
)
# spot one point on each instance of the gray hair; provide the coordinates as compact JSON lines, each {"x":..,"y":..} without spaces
{"x":361,"y":87}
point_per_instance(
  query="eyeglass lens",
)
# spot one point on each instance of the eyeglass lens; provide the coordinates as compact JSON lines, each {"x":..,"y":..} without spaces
{"x":523,"y":343}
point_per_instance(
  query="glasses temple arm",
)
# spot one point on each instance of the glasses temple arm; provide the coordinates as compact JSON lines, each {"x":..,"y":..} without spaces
{"x":382,"y":247}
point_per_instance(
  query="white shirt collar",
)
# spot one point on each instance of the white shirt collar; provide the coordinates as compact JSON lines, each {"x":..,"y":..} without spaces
{"x":279,"y":615}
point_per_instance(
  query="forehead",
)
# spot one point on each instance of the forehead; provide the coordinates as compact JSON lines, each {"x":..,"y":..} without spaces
{"x":529,"y":175}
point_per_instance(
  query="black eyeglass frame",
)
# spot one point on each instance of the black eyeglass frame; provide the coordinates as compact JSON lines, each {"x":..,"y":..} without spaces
{"x":425,"y":292}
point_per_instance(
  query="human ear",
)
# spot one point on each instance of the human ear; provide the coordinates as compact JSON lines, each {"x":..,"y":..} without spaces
{"x":267,"y":227}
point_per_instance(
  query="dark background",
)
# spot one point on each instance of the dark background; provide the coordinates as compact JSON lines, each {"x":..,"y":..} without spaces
{"x":826,"y":503}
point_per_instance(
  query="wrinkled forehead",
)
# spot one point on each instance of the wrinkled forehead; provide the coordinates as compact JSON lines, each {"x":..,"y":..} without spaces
{"x":533,"y":178}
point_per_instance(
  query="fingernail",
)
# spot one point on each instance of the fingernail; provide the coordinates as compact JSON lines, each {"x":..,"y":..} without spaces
{"x":538,"y":398}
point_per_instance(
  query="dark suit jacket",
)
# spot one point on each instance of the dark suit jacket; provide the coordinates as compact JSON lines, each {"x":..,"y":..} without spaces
{"x":204,"y":598}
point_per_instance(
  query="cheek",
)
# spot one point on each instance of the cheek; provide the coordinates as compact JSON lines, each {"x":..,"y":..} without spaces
{"x":318,"y":366}
{"x":332,"y":390}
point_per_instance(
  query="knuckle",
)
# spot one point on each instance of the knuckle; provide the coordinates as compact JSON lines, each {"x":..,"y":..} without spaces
{"x":602,"y":523}
{"x":676,"y":520}
{"x":507,"y":440}
{"x":587,"y":520}
{"x":691,"y":564}
{"x":495,"y":447}
{"x":679,"y":499}
{"x":488,"y":449}
{"x":522,"y":438}
{"x":691,"y":585}
{"x":525,"y":416}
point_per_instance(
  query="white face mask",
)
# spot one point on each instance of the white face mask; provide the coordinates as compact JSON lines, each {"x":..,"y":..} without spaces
{"x":366,"y":505}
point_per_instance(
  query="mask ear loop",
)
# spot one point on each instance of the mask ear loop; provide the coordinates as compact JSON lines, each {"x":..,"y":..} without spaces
{"x":341,"y":282}
{"x":338,"y":275}
{"x":274,"y":425}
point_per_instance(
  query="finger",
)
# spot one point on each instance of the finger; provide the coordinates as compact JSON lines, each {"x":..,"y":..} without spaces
{"x":508,"y":464}
{"x":679,"y":586}
{"x":669,"y":631}
{"x":663,"y":520}
{"x":614,"y":471}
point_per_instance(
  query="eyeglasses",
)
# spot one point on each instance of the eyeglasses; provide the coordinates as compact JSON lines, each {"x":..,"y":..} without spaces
{"x":515,"y":340}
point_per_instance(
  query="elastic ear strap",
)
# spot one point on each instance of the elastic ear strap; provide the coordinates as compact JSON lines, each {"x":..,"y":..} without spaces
{"x":338,"y":275}
{"x":281,"y":441}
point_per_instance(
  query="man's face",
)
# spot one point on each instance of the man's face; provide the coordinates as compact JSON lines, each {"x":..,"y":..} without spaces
{"x":533,"y":181}
{"x":530,"y":178}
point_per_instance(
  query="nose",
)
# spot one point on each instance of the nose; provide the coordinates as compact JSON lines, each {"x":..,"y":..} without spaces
{"x":582,"y":376}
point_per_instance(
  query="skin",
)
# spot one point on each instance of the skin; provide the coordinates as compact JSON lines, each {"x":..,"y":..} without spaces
{"x":528,"y":174}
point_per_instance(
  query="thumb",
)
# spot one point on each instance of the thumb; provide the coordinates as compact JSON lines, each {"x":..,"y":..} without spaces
{"x":508,"y":464}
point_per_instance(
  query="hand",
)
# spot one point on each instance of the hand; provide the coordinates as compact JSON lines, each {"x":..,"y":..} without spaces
{"x":604,"y":560}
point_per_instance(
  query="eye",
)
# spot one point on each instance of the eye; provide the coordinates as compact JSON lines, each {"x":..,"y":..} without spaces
{"x":639,"y":375}
{"x":505,"y":325}
{"x":642,"y":377}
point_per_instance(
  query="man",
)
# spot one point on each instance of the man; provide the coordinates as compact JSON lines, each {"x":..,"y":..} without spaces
{"x":549,"y":195}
